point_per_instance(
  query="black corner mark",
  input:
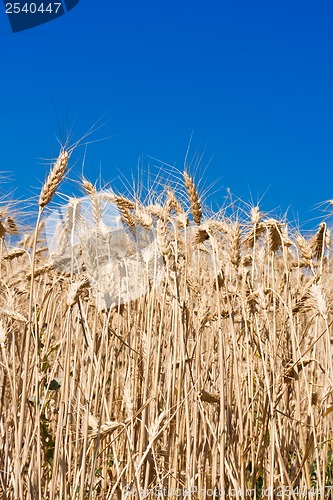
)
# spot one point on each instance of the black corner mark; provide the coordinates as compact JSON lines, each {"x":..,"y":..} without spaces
{"x":70,"y":4}
{"x":24,"y":15}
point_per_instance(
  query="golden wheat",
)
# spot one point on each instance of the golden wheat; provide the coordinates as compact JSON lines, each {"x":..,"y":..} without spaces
{"x":218,"y":374}
{"x":55,"y":177}
{"x":194,"y":198}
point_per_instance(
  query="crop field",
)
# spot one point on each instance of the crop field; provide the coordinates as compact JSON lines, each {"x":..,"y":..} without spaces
{"x":151,"y":348}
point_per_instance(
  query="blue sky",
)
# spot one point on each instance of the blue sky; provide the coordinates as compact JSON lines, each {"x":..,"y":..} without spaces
{"x":251,"y":82}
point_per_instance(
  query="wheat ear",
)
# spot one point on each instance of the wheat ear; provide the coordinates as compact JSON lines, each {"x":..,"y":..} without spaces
{"x":320,"y":240}
{"x":194,"y":198}
{"x":163,"y":241}
{"x":75,"y":290}
{"x":55,"y":176}
{"x":95,"y":200}
{"x":88,"y":186}
{"x":11,"y":225}
{"x":173,"y":203}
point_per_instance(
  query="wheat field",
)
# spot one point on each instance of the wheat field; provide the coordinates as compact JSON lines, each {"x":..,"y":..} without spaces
{"x":215,"y":381}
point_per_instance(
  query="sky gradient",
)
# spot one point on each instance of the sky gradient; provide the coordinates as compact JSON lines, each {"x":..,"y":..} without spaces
{"x":250,"y":82}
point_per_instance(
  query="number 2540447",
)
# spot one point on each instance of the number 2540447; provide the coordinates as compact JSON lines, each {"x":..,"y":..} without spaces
{"x":32,"y":8}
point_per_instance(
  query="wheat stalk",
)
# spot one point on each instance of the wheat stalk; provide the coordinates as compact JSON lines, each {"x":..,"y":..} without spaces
{"x":3,"y":230}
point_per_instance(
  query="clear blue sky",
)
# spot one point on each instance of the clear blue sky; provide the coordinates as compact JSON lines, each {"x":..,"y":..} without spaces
{"x":252,"y":80}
